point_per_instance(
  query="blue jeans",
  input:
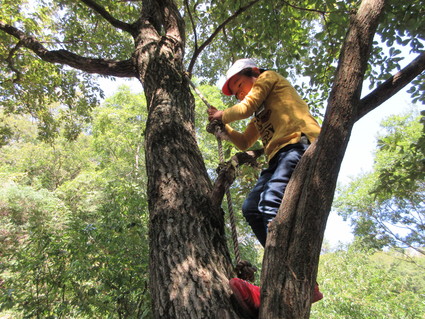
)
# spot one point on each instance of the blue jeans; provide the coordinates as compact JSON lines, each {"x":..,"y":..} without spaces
{"x":262,"y":203}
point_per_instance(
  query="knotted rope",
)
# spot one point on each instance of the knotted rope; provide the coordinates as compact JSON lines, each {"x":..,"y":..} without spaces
{"x":243,"y":269}
{"x":229,"y":203}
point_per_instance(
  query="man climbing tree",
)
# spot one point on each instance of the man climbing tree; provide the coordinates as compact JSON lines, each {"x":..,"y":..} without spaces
{"x":156,"y":41}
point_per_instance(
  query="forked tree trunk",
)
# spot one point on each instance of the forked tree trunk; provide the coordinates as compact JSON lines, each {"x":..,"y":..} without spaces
{"x":189,"y":260}
{"x":296,"y":234}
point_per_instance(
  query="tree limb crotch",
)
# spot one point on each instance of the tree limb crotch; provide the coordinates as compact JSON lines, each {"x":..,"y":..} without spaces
{"x":227,"y":173}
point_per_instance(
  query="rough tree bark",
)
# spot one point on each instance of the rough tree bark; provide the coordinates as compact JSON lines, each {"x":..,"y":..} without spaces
{"x":296,"y":234}
{"x":189,"y":260}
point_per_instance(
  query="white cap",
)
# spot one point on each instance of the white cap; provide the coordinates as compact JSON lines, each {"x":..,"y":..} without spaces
{"x":237,"y":67}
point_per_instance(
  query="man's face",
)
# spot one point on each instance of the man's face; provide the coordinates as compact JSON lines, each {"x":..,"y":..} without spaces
{"x":240,"y":85}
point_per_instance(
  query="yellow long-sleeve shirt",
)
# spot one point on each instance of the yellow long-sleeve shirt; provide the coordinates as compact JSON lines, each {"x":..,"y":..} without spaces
{"x":280,"y":115}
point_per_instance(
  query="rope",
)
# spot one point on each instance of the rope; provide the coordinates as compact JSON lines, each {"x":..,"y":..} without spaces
{"x":230,"y":206}
{"x":199,"y":93}
{"x":244,"y":269}
{"x":228,"y":195}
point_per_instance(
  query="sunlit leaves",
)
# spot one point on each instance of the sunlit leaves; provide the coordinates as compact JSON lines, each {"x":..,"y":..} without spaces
{"x":78,"y":249}
{"x":386,"y":206}
{"x":30,"y":85}
{"x":402,"y":28}
{"x":359,"y":284}
{"x":118,"y":129}
{"x":301,"y":40}
{"x":403,"y":23}
{"x":38,"y":85}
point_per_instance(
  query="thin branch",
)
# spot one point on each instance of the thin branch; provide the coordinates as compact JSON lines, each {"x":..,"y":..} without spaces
{"x":227,"y":173}
{"x":108,"y":17}
{"x":397,"y":237}
{"x":304,"y":9}
{"x":215,"y":33}
{"x":100,"y":66}
{"x":192,"y":23}
{"x":391,"y":86}
{"x":10,"y":63}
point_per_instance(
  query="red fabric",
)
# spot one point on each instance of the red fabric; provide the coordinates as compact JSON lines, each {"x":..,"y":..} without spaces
{"x":317,"y":295}
{"x":248,"y":295}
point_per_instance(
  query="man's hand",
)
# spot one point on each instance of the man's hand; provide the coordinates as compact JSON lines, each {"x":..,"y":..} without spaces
{"x":214,"y":114}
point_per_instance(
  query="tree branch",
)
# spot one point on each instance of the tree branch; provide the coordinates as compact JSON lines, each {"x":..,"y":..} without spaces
{"x":214,"y":34}
{"x":108,"y":17}
{"x":295,"y":236}
{"x":304,"y":9}
{"x":391,"y":86}
{"x":192,"y":22}
{"x":100,"y":66}
{"x":227,"y":173}
{"x":397,"y":237}
{"x":10,"y":63}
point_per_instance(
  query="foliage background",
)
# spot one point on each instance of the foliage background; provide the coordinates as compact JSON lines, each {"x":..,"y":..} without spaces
{"x":73,"y":240}
{"x":73,"y":207}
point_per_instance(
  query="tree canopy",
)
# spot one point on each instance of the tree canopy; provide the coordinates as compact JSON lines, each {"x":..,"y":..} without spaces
{"x":385,"y":206}
{"x":77,"y":248}
{"x":301,"y":40}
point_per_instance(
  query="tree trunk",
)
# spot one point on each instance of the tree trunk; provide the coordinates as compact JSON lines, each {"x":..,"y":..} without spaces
{"x":296,"y":234}
{"x":189,"y":260}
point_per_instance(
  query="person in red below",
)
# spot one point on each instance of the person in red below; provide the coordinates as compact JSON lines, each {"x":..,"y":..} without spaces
{"x":282,"y":120}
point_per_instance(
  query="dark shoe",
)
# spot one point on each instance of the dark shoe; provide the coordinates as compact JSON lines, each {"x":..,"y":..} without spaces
{"x":247,"y":295}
